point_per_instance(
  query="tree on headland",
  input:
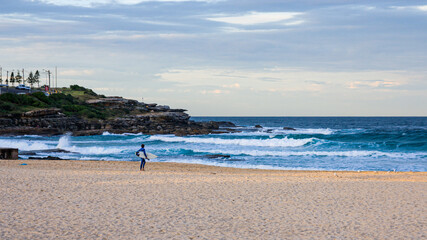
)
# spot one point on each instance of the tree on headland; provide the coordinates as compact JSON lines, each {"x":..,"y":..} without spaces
{"x":18,"y":78}
{"x":30,"y":79}
{"x":37,"y":78}
{"x":12,"y":79}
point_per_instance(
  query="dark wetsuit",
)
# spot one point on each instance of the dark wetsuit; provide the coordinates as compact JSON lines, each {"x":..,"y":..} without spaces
{"x":142,"y":158}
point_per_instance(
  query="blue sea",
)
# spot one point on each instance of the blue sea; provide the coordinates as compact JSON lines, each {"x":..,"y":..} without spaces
{"x":318,"y":143}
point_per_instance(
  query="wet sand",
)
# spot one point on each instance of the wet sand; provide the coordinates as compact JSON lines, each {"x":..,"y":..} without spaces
{"x":113,"y":200}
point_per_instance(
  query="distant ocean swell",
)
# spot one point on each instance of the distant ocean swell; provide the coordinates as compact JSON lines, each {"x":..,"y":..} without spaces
{"x":317,"y":143}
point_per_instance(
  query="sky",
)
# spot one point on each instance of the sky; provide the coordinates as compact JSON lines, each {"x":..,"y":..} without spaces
{"x":230,"y":57}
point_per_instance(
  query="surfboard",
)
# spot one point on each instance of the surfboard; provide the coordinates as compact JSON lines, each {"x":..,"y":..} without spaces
{"x":149,"y":155}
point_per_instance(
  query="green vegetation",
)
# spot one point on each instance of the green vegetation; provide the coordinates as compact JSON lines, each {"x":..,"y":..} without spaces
{"x":72,"y":102}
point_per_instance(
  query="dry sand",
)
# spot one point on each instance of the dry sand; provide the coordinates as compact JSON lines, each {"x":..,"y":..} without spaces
{"x":113,"y":200}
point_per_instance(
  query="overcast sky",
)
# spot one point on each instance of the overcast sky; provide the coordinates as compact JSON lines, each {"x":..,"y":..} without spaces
{"x":230,"y":57}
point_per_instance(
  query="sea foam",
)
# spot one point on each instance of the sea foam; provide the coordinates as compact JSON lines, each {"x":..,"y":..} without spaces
{"x":355,"y":153}
{"x":23,"y":145}
{"x":285,"y":142}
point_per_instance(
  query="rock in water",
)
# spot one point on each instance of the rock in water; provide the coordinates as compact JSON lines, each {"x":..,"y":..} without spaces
{"x":217,"y":156}
{"x":45,"y":158}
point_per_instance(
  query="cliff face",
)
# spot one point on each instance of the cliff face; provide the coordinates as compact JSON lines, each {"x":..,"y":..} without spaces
{"x":142,"y":118}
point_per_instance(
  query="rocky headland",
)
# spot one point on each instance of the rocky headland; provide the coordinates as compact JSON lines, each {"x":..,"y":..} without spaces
{"x":124,"y":116}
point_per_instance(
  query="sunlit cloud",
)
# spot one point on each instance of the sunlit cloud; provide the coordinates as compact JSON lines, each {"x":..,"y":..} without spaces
{"x":235,"y":85}
{"x":373,"y":84}
{"x":420,"y":8}
{"x":254,"y":18}
{"x":216,"y":91}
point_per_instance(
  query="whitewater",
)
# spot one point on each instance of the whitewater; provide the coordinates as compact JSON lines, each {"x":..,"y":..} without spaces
{"x":358,"y":144}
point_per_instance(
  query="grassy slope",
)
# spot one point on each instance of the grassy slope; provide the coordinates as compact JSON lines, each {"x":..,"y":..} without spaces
{"x":70,"y":100}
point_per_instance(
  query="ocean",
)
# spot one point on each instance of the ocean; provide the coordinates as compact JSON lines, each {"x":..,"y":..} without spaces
{"x":317,"y":143}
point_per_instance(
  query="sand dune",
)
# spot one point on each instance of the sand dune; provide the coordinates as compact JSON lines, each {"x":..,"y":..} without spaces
{"x":113,"y":200}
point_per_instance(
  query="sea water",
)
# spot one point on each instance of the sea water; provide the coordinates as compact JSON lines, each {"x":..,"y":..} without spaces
{"x":317,"y":143}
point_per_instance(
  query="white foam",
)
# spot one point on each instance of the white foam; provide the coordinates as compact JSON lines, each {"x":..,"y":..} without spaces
{"x":274,"y":131}
{"x":66,"y":144}
{"x":23,"y":145}
{"x":323,"y":131}
{"x":106,"y":133}
{"x":258,"y":153}
{"x":236,"y":165}
{"x":95,"y":150}
{"x":285,"y":142}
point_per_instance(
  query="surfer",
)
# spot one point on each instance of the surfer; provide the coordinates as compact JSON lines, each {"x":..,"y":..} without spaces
{"x":138,"y":153}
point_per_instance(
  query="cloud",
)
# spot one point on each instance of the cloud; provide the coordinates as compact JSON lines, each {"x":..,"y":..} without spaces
{"x":253,"y":18}
{"x":373,"y":84}
{"x":29,"y":19}
{"x":282,"y":80}
{"x":94,"y":3}
{"x":419,"y":8}
{"x":74,"y":72}
{"x":216,"y":91}
{"x":235,"y":85}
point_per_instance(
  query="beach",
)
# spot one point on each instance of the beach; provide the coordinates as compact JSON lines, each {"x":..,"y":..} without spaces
{"x":113,"y":200}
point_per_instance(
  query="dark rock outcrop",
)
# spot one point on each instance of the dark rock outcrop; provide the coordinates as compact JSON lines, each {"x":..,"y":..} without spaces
{"x":217,"y":156}
{"x":35,"y":152}
{"x":45,"y":158}
{"x":289,"y":128}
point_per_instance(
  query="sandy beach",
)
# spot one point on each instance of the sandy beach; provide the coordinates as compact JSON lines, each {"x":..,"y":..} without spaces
{"x":113,"y":200}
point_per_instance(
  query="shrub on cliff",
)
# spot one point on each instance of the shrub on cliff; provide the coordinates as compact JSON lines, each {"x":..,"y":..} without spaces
{"x":73,"y":108}
{"x":85,"y":90}
{"x":5,"y":107}
{"x":21,"y":100}
{"x":60,"y":99}
{"x":83,"y":111}
{"x":40,"y":96}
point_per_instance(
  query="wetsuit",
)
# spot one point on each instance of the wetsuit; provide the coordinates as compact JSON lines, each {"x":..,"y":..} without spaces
{"x":142,"y":158}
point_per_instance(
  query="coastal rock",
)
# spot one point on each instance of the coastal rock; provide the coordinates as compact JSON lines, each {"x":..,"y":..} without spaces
{"x":217,"y":156}
{"x":45,"y":158}
{"x":226,"y":124}
{"x":42,"y":112}
{"x":152,"y":119}
{"x":258,"y":126}
{"x":289,"y":128}
{"x":34,"y":152}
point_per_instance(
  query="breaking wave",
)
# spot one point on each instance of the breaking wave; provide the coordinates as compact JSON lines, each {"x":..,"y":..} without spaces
{"x":23,"y":145}
{"x":285,"y":142}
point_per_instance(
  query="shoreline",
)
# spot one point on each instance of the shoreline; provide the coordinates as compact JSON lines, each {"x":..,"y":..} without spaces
{"x":232,"y":167}
{"x":203,"y":168}
{"x":114,"y":200}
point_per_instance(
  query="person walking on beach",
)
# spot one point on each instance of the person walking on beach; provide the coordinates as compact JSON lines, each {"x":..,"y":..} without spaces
{"x":138,"y":153}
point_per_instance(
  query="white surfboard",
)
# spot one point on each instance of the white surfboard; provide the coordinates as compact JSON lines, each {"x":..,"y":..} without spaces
{"x":149,"y":155}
